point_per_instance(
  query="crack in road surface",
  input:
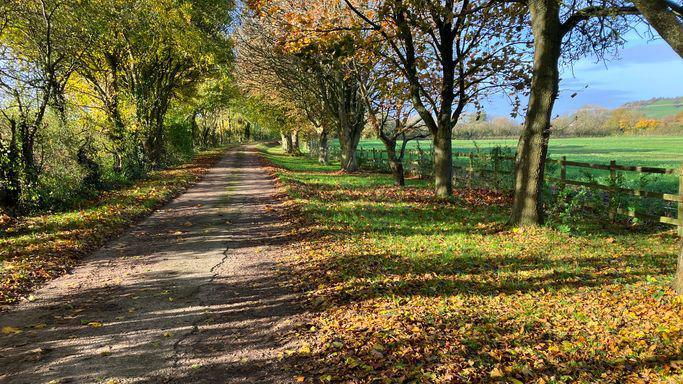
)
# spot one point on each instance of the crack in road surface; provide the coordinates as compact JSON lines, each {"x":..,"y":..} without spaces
{"x":190,"y":295}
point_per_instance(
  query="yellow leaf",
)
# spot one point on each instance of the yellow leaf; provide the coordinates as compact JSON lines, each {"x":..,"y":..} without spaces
{"x":10,"y":330}
{"x":300,"y":379}
{"x":95,"y":324}
{"x":496,"y":373}
{"x":305,"y":349}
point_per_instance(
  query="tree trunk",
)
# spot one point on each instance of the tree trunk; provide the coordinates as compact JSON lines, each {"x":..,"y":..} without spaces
{"x":286,"y":141}
{"x":247,"y":132}
{"x":349,"y":136}
{"x":11,"y":193}
{"x":443,"y":161}
{"x":349,"y":111}
{"x":532,"y":148}
{"x":397,"y":170}
{"x":295,"y":142}
{"x":323,"y":149}
{"x":348,"y":141}
{"x":27,"y":141}
{"x":118,"y":140}
{"x":395,"y":163}
{"x":118,"y":161}
{"x":156,"y":142}
{"x":117,"y":135}
{"x":194,"y":129}
{"x":664,"y":21}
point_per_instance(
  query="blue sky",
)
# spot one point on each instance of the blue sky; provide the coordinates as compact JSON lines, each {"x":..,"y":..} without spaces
{"x":643,"y":69}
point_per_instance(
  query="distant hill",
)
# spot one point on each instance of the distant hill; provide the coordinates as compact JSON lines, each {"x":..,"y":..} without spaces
{"x":657,"y":108}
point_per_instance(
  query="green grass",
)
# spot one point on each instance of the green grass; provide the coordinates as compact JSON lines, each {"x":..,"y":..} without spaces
{"x":652,"y":151}
{"x":406,"y":288}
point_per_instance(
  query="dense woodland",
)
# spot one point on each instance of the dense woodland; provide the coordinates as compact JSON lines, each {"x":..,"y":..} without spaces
{"x":94,"y":94}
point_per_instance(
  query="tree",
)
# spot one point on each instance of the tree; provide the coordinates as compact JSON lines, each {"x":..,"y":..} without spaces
{"x":389,"y":113}
{"x":600,"y":31}
{"x":274,"y":77}
{"x":312,"y":80}
{"x":666,"y":17}
{"x":36,"y":63}
{"x":172,"y":47}
{"x":346,"y":108}
{"x":451,"y":54}
{"x":72,"y":70}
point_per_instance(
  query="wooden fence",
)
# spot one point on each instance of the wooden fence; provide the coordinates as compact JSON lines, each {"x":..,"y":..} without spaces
{"x":494,"y":167}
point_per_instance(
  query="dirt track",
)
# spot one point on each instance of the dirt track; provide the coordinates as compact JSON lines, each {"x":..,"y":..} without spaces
{"x":190,"y":295}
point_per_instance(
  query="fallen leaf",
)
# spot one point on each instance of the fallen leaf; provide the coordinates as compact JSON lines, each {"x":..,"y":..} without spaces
{"x":7,"y":330}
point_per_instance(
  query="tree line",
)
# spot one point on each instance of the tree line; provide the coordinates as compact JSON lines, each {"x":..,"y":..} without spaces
{"x":411,"y":69}
{"x":588,"y":121}
{"x":96,"y":92}
{"x":340,"y":64}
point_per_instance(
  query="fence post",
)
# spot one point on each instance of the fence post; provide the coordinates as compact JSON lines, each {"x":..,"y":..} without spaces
{"x":613,"y":188}
{"x":563,"y":172}
{"x":680,"y":202}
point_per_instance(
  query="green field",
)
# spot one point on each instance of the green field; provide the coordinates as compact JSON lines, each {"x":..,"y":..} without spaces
{"x":651,"y":151}
{"x":658,"y":109}
{"x":657,"y":151}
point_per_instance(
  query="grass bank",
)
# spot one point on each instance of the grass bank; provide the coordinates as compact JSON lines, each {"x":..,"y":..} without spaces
{"x":37,"y":248}
{"x":405,"y":289}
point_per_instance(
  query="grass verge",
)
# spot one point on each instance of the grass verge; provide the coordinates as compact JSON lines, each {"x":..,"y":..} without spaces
{"x":38,"y":248}
{"x":406,"y":289}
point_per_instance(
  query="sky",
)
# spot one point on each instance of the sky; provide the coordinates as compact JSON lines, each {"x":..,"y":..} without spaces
{"x":643,"y":69}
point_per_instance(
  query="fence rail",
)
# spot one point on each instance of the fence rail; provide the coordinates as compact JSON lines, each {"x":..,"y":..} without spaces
{"x":419,"y":162}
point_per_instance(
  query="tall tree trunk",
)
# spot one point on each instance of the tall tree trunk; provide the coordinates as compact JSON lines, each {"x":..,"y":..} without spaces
{"x":247,"y":132}
{"x":11,"y":193}
{"x":117,"y":135}
{"x":349,"y":116}
{"x":286,"y":141}
{"x":664,"y":21}
{"x":156,"y":141}
{"x":27,"y":141}
{"x":443,"y":160}
{"x":296,"y":148}
{"x":395,"y":163}
{"x":194,"y":129}
{"x":532,"y":148}
{"x":323,"y":148}
{"x":348,"y":140}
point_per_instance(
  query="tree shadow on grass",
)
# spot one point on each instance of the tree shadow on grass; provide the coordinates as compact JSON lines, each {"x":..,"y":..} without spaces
{"x":477,"y":347}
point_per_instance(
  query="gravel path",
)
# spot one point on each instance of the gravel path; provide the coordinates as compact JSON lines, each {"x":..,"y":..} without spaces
{"x":190,"y":295}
